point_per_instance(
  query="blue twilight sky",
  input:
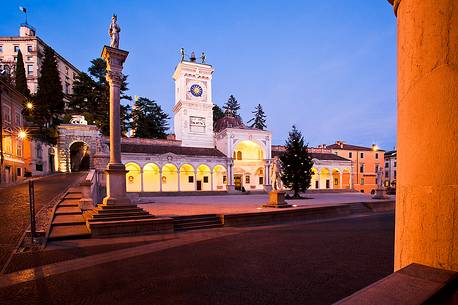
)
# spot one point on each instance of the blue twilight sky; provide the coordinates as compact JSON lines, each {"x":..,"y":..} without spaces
{"x":327,"y":66}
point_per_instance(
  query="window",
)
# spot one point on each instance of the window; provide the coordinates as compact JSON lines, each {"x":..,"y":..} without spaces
{"x":39,"y":167}
{"x":19,"y":149}
{"x":386,"y":174}
{"x":29,"y":49}
{"x":361,"y":168}
{"x":261,"y":180}
{"x":18,"y":118}
{"x":29,"y":58}
{"x":7,"y":144}
{"x":67,"y":88}
{"x":19,"y":172}
{"x":362,"y":155}
{"x":224,"y":179}
{"x":7,"y":114}
{"x":376,"y":155}
{"x":29,"y":69}
{"x":394,"y":174}
{"x":386,"y":164}
{"x":239,"y":155}
{"x":39,"y":150}
{"x":394,"y":163}
{"x":362,"y":181}
{"x":376,"y":168}
{"x":1,"y":48}
{"x":205,"y":179}
{"x":247,"y":179}
{"x":350,"y":155}
{"x":16,"y":49}
{"x":190,"y":179}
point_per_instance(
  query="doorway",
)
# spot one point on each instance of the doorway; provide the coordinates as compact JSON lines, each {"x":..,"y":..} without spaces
{"x":79,"y":157}
{"x":199,"y":185}
{"x":238,"y":182}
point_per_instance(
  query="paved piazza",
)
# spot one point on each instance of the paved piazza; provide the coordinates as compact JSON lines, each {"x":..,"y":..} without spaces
{"x":228,"y":204}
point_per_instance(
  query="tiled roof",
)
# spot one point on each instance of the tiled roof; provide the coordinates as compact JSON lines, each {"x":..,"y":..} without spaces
{"x":178,"y":150}
{"x":345,"y":146}
{"x":319,"y":156}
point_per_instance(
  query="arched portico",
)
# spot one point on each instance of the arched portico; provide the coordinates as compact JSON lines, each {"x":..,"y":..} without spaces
{"x":187,"y":178}
{"x":80,"y":156}
{"x":133,"y":177}
{"x":151,"y":178}
{"x":170,"y":178}
{"x":249,"y":170}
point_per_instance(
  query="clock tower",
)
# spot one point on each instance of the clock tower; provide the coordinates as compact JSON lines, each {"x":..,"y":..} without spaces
{"x":193,"y":111}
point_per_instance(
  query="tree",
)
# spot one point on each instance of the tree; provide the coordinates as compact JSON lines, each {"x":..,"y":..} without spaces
{"x":217,"y":114}
{"x":20,"y":78}
{"x":231,"y":107}
{"x":91,"y":97}
{"x":49,"y":100}
{"x":296,"y":164}
{"x":148,"y":119}
{"x":259,"y":119}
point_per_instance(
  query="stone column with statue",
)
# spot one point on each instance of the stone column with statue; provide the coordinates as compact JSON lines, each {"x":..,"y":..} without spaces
{"x":116,"y":171}
{"x":277,"y":195}
{"x":120,"y":215}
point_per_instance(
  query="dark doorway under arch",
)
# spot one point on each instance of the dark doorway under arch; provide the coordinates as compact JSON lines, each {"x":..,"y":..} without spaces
{"x":80,"y":159}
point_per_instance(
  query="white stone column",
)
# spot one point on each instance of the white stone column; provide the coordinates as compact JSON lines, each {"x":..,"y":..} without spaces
{"x":179,"y":186}
{"x":115,"y":171}
{"x":160,"y":179}
{"x":211,"y":181}
{"x":141,"y":179}
{"x":195,"y":180}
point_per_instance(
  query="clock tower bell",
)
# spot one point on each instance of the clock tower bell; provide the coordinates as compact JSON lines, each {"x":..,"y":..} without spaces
{"x":193,"y":111}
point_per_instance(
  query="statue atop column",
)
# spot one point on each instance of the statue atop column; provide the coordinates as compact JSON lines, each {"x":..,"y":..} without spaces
{"x":193,"y":57}
{"x":114,"y":30}
{"x":182,"y":54}
{"x":203,"y":57}
{"x":276,"y":174}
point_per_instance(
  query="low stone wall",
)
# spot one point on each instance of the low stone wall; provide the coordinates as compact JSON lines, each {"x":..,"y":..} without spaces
{"x":285,"y":215}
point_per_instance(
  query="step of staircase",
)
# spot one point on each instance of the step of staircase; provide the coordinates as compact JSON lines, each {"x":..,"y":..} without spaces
{"x":356,"y":208}
{"x":119,"y":217}
{"x":69,"y":232}
{"x":73,"y":196}
{"x":68,"y":210}
{"x":194,"y":222}
{"x":72,"y":219}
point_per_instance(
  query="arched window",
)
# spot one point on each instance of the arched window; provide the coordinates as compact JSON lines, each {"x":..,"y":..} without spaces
{"x":239,"y":155}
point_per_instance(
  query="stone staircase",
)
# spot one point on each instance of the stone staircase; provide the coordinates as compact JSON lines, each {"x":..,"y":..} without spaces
{"x":195,"y":222}
{"x":68,"y":221}
{"x":124,"y":220}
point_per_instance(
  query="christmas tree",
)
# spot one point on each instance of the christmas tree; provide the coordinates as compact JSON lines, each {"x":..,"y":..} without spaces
{"x":296,"y":164}
{"x":259,"y":119}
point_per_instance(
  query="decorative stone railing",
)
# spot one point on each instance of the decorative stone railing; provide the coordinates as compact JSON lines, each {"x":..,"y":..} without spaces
{"x":89,"y":189}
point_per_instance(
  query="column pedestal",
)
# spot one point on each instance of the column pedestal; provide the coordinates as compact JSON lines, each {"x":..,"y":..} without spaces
{"x":116,"y":185}
{"x":277,"y":200}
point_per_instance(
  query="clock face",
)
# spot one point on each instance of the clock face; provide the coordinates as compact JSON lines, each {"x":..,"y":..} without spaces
{"x":196,"y":90}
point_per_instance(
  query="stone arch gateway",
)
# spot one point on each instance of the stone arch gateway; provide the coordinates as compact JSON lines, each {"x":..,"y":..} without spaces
{"x":73,"y":133}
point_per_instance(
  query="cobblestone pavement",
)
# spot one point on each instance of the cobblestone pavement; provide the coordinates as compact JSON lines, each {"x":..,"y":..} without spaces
{"x":295,"y":263}
{"x":15,"y":211}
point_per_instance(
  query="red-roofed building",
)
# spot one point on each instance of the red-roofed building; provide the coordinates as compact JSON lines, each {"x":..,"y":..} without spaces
{"x":366,"y":162}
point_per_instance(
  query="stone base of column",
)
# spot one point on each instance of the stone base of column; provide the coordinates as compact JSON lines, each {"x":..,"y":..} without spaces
{"x":116,"y":185}
{"x":231,"y":188}
{"x":267,"y":187}
{"x":277,"y":200}
{"x":380,"y":194}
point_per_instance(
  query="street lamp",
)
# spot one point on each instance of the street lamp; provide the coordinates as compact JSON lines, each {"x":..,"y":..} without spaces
{"x":22,"y":134}
{"x":29,"y":105}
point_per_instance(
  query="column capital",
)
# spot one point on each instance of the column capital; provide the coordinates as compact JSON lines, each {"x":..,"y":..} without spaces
{"x":114,"y":77}
{"x":395,"y":4}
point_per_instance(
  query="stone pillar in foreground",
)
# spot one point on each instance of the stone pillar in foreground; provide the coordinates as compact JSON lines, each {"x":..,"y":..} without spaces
{"x":115,"y":171}
{"x":427,"y":182}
